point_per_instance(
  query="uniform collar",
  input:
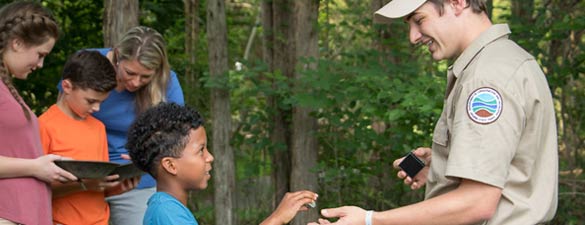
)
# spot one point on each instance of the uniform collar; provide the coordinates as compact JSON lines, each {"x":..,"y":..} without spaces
{"x":491,"y":34}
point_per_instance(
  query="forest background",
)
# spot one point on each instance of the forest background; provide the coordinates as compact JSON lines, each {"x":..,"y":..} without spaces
{"x":302,"y":94}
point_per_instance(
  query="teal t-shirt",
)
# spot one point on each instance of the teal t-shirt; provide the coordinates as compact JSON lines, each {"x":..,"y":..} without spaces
{"x":164,"y":209}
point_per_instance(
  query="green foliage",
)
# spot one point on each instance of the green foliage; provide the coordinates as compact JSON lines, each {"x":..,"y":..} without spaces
{"x":369,"y":113}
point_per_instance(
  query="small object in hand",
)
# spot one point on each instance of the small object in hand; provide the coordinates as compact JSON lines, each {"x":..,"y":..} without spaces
{"x":411,"y":165}
{"x":311,"y":205}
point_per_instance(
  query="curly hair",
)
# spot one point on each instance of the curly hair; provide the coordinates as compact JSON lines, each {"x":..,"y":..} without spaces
{"x":161,"y":131}
{"x":90,"y":70}
{"x":29,"y":22}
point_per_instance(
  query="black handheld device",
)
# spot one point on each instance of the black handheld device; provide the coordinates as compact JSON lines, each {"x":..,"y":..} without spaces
{"x":411,"y":165}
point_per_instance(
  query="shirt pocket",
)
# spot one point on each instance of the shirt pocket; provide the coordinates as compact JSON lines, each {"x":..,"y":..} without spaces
{"x":440,"y":152}
{"x":441,"y":136}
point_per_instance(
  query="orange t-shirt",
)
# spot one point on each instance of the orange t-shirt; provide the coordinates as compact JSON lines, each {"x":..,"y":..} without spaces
{"x":80,"y":140}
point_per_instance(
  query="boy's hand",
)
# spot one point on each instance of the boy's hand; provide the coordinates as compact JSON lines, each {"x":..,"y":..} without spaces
{"x":421,"y":178}
{"x":101,"y":184}
{"x":123,"y":186}
{"x":126,"y":157}
{"x":289,"y":206}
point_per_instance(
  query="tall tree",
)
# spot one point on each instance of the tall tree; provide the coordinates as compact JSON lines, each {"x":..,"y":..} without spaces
{"x":119,"y":17}
{"x":304,"y":138}
{"x":522,"y":14}
{"x":225,"y":180}
{"x":384,"y":33}
{"x":191,"y":38}
{"x":197,"y":95}
{"x":523,"y":10}
{"x":278,"y":54}
{"x":563,"y":60}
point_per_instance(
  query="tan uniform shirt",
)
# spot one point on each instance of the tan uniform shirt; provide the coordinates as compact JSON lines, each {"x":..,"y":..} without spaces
{"x":498,"y":127}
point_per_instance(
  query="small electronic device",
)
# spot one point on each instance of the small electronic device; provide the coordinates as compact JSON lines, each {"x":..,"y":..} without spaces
{"x":411,"y":165}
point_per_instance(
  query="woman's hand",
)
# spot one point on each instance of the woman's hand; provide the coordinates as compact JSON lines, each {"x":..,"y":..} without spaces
{"x":44,"y":168}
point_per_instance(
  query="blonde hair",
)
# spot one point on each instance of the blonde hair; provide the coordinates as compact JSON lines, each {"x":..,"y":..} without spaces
{"x":29,"y":22}
{"x":148,"y":47}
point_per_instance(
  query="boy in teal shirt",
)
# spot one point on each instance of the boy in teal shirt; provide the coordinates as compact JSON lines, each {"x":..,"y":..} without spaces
{"x":169,"y":142}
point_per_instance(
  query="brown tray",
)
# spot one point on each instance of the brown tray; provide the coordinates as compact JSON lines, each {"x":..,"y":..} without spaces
{"x":87,"y":169}
{"x":99,"y":169}
{"x":127,"y":170}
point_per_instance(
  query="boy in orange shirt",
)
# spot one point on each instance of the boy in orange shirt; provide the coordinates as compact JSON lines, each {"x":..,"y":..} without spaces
{"x":68,"y":129}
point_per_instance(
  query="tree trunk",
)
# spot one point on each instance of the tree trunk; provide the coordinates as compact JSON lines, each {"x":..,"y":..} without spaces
{"x":193,"y":88}
{"x":267,"y":35}
{"x":562,"y":52}
{"x":224,"y":170}
{"x":284,"y":56}
{"x":119,"y":17}
{"x":304,"y":140}
{"x":523,"y":10}
{"x":276,"y":27}
{"x":384,"y":33}
{"x":191,"y":39}
{"x":522,"y":16}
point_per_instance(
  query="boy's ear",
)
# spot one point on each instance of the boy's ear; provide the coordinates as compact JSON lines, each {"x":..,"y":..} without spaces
{"x":67,"y":86}
{"x":168,"y":164}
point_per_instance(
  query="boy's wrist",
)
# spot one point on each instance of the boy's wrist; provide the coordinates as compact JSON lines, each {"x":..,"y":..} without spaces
{"x":271,"y":221}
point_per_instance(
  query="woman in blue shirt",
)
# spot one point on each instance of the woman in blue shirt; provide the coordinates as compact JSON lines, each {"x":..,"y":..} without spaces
{"x":144,"y":80}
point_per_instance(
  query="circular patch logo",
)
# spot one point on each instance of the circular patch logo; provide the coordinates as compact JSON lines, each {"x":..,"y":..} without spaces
{"x":484,"y":105}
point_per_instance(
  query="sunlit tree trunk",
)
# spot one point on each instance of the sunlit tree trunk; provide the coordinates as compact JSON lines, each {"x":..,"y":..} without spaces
{"x":224,"y":179}
{"x":304,"y":135}
{"x":119,"y":17}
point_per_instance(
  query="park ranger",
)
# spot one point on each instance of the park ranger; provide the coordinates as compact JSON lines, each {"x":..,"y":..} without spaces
{"x":494,"y":155}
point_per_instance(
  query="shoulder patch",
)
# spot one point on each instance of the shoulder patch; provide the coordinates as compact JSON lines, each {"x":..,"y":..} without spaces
{"x":484,"y":105}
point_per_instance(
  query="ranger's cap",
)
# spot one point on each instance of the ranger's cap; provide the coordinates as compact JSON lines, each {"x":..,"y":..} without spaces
{"x":396,"y":9}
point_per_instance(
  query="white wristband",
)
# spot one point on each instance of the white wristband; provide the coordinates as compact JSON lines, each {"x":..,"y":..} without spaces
{"x":369,"y":217}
